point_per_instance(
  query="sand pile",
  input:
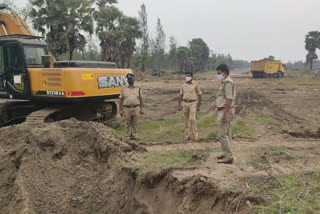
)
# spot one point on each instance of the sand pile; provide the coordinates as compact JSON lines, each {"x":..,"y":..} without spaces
{"x":63,"y":167}
{"x":80,"y":167}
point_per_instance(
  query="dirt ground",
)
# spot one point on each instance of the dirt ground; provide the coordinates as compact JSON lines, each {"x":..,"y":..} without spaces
{"x":284,"y":115}
{"x":80,"y":167}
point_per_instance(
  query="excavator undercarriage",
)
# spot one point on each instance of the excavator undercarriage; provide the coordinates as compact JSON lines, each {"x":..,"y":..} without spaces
{"x":15,"y":112}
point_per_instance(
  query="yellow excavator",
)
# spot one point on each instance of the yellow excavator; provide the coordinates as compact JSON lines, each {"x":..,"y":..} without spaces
{"x":36,"y":87}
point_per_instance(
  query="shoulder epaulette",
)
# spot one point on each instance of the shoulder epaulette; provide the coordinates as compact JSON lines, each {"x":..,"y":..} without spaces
{"x":229,"y":81}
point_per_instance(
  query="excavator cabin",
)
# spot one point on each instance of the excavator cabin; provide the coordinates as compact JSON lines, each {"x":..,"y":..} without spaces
{"x":17,"y":54}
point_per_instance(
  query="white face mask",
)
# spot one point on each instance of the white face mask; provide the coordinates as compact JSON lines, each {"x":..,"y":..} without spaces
{"x":220,"y":77}
{"x":188,"y":79}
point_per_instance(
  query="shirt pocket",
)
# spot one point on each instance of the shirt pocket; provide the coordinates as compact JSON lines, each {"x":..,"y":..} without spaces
{"x":135,"y":94}
{"x":188,"y":89}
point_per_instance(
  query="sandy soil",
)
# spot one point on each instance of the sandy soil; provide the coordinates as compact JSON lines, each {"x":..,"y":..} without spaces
{"x":79,"y":167}
{"x":292,"y":101}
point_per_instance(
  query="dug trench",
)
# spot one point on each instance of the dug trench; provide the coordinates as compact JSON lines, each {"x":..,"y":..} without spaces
{"x":83,"y":167}
{"x":80,"y":167}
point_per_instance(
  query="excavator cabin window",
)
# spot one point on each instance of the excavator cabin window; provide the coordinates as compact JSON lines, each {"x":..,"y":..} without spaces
{"x":33,"y":55}
{"x":15,"y":68}
{"x":14,"y":58}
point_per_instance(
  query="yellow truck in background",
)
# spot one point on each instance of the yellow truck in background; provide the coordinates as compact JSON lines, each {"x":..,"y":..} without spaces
{"x":267,"y":68}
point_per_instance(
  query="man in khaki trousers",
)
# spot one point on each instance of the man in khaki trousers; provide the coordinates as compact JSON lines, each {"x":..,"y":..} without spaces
{"x":130,"y":101}
{"x":226,"y":112}
{"x":190,"y":98}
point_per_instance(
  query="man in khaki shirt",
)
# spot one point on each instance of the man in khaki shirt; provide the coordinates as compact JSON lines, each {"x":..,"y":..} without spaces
{"x":130,"y":100}
{"x":226,"y":112}
{"x":190,"y":97}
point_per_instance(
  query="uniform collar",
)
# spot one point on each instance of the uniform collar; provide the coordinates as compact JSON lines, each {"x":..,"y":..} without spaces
{"x":192,"y":81}
{"x":226,"y":79}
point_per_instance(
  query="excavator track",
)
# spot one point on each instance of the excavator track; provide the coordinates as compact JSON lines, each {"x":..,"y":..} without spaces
{"x":41,"y":115}
{"x":15,"y":112}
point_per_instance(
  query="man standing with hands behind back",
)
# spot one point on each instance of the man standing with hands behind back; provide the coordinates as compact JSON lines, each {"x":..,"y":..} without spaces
{"x":130,"y":100}
{"x":190,"y":96}
{"x":226,"y":112}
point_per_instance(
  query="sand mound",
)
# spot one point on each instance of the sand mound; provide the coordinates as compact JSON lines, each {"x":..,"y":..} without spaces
{"x":167,"y":193}
{"x":144,"y":76}
{"x":63,"y":167}
{"x":304,"y":134}
{"x":79,"y":167}
{"x":250,"y":101}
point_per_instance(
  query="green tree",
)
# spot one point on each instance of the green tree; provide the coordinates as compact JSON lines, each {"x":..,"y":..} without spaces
{"x":130,"y":32}
{"x":117,"y":33}
{"x":229,"y":61}
{"x":312,"y":43}
{"x":200,"y":51}
{"x":240,"y":64}
{"x":172,"y":55}
{"x":217,"y":59}
{"x":63,"y":23}
{"x":184,"y":59}
{"x":9,"y":4}
{"x":101,"y":3}
{"x":92,"y":52}
{"x":212,"y":62}
{"x":108,"y":18}
{"x":195,"y":58}
{"x":159,"y":44}
{"x":144,"y":49}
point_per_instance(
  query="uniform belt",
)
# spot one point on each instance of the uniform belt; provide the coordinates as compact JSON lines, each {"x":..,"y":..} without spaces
{"x":189,"y":101}
{"x":131,"y":106}
{"x":221,"y":108}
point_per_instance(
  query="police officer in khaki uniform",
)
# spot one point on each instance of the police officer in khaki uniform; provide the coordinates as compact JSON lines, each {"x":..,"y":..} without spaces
{"x":190,"y":98}
{"x":226,"y":112}
{"x":130,"y":101}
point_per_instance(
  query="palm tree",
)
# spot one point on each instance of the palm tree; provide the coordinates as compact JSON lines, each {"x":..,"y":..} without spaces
{"x":312,"y":44}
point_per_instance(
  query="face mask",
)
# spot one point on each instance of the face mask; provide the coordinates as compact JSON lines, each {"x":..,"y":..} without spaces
{"x":188,"y":79}
{"x":131,"y":81}
{"x":220,"y":77}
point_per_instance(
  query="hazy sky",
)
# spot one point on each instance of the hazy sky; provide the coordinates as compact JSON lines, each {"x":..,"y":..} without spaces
{"x":247,"y":29}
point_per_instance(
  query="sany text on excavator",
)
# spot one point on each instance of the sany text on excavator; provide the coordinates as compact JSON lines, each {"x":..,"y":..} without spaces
{"x":36,"y":87}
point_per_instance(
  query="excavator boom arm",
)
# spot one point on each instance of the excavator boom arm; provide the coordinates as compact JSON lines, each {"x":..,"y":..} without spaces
{"x":11,"y":23}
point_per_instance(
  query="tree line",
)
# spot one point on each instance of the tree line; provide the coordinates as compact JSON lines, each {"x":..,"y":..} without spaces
{"x":312,"y":43}
{"x":65,"y":23}
{"x":301,"y":65}
{"x":196,"y":56}
{"x":126,"y":40}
